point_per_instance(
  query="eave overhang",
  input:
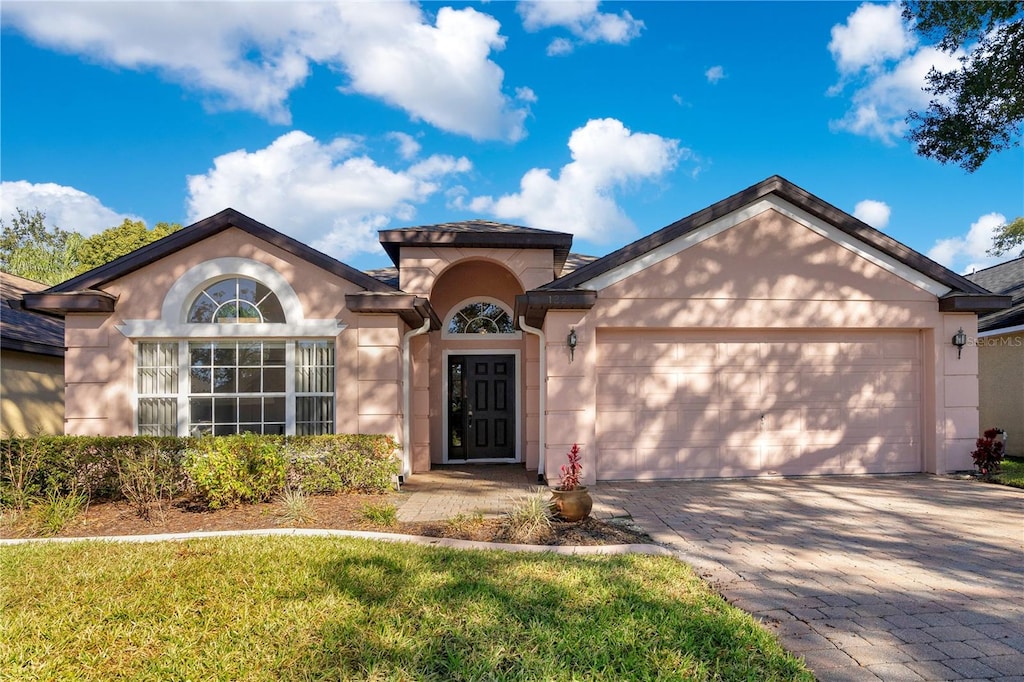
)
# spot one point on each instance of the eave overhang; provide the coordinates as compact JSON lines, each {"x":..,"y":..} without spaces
{"x":534,"y":305}
{"x":88,"y":301}
{"x":974,"y":303}
{"x":20,"y":346}
{"x":413,"y":310}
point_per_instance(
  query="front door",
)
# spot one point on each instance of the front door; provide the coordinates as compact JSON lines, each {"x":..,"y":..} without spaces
{"x":481,"y":407}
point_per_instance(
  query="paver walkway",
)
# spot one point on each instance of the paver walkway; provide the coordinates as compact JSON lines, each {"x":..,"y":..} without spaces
{"x":867,"y":578}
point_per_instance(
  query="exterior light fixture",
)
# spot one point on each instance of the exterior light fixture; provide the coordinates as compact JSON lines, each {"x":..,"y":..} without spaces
{"x":571,"y":341}
{"x":959,"y":340}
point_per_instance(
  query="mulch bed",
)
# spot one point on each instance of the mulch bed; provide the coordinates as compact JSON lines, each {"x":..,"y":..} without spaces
{"x":106,"y":518}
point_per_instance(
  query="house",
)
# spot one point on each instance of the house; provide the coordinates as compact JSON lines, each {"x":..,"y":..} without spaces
{"x":769,"y":333}
{"x":31,"y":363}
{"x":1000,"y":344}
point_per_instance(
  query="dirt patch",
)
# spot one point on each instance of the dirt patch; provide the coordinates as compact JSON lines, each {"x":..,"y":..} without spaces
{"x":329,"y":512}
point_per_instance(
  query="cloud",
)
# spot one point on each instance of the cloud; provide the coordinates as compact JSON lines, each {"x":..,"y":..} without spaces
{"x":582,"y":19}
{"x":968,"y":253}
{"x":877,"y":55}
{"x":250,"y":56}
{"x":324,"y":194}
{"x":606,"y":158}
{"x":408,"y":147}
{"x":715,"y":74}
{"x":65,"y":207}
{"x":870,"y":36}
{"x":874,"y":213}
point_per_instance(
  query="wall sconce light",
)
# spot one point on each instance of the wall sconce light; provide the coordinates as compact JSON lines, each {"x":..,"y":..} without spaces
{"x":571,"y":341}
{"x":959,"y":340}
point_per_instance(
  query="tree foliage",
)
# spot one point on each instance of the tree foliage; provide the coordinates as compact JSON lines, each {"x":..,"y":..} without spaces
{"x":1008,"y":237}
{"x":28,"y":248}
{"x":978,"y":109}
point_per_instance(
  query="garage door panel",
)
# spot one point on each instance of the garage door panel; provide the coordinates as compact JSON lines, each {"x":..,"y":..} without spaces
{"x":695,"y":401}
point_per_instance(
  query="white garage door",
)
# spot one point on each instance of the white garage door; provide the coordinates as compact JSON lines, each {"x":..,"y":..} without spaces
{"x":675,"y":404}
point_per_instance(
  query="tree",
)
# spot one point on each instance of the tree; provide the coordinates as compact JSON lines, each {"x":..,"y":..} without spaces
{"x":29,"y":249}
{"x":978,"y":109}
{"x":1008,"y":237}
{"x":120,"y":240}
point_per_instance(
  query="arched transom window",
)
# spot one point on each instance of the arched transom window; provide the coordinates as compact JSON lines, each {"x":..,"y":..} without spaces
{"x":237,"y":300}
{"x":481,"y":317}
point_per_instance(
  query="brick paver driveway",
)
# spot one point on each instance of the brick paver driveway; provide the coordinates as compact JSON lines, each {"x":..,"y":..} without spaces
{"x":892,"y":578}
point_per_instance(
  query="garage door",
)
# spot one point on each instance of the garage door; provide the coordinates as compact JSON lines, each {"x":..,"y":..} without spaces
{"x":675,"y":404}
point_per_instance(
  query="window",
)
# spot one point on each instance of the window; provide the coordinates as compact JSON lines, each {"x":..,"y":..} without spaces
{"x":481,"y":317}
{"x":235,"y":387}
{"x":238,"y":300}
{"x":158,"y":389}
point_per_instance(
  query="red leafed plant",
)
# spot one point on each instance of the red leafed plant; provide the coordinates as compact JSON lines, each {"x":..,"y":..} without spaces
{"x":989,"y":452}
{"x":569,"y":476}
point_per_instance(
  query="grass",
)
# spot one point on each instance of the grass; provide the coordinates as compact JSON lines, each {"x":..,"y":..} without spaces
{"x":1011,"y":472}
{"x":297,"y":608}
{"x":385,"y":514}
{"x":56,"y":511}
{"x":529,"y":518}
{"x":294,"y":507}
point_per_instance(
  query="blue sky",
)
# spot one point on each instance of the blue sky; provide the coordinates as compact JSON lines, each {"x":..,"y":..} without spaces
{"x":329,"y":121}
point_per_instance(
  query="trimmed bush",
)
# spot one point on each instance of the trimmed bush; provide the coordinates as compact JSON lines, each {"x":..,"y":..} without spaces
{"x":216,"y":471}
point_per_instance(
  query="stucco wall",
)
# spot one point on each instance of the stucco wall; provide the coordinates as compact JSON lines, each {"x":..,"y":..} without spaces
{"x":31,"y":394}
{"x":1001,"y":384}
{"x":772,"y":273}
{"x":100,"y":361}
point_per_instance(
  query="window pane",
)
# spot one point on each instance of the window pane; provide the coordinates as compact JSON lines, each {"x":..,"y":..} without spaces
{"x":273,"y":380}
{"x":272,"y":310}
{"x":273,"y":409}
{"x":225,"y":429}
{"x":157,"y":368}
{"x":200,"y":380}
{"x":273,"y":354}
{"x":225,"y":410}
{"x":236,"y":300}
{"x":249,"y":380}
{"x":158,"y":416}
{"x":200,"y":354}
{"x":224,"y":380}
{"x":250,"y":354}
{"x":200,"y":410}
{"x":223,"y":291}
{"x":224,"y":354}
{"x":250,"y":409}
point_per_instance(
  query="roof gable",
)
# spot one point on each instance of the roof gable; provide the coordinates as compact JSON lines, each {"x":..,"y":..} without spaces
{"x":1007,"y":279}
{"x":779,"y":193}
{"x":204,"y":229}
{"x":24,"y":330}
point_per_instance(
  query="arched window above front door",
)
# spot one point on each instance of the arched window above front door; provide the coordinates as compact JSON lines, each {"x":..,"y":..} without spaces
{"x":480,"y":316}
{"x":236,"y":300}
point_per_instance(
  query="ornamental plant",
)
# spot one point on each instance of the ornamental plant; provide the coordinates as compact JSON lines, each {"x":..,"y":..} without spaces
{"x":569,"y":475}
{"x":989,"y":451}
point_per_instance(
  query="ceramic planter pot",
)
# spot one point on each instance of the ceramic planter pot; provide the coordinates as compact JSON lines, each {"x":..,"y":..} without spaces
{"x":571,"y":505}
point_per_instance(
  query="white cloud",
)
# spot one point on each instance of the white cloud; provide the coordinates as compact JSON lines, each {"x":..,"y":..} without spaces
{"x":65,"y":207}
{"x":715,"y":74}
{"x":526,"y":95}
{"x":968,"y":253}
{"x":874,"y":213}
{"x":606,"y":157}
{"x":583,"y":20}
{"x":871,"y":35}
{"x":408,"y":147}
{"x":876,"y":53}
{"x":250,"y":56}
{"x":320,"y":193}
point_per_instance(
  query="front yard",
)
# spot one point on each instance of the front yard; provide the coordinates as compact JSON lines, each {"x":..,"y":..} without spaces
{"x":325,"y":608}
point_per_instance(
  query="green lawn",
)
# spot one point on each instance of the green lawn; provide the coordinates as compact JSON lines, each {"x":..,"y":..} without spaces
{"x":328,"y":608}
{"x":1011,"y":472}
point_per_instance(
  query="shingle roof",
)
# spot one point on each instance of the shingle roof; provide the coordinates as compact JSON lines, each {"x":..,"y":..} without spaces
{"x":477,"y":234}
{"x":1008,"y":279}
{"x":23,"y":330}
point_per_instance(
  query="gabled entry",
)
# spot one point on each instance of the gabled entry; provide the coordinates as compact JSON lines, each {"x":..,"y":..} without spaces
{"x":481,"y":407}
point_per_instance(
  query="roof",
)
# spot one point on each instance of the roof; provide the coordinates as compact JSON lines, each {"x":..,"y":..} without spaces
{"x":477,"y":234}
{"x":204,"y":229}
{"x":800,"y":198}
{"x":24,"y":330}
{"x":390,"y":275}
{"x":1008,"y":279}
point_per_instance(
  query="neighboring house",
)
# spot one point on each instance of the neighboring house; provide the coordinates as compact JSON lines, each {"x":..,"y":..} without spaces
{"x":769,"y":333}
{"x":31,"y":363}
{"x":1001,"y":354}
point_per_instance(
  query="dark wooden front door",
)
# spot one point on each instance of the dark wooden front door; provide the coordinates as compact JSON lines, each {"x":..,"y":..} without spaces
{"x":481,"y":407}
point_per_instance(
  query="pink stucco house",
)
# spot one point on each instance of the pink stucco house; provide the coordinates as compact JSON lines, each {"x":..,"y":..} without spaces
{"x":769,"y":333}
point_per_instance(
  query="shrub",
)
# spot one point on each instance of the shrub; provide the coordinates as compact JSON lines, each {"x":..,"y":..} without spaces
{"x":227,"y":470}
{"x":383,"y":514}
{"x":149,"y":477}
{"x":342,"y":463}
{"x":529,"y":518}
{"x":294,"y":507}
{"x":989,"y":452}
{"x":59,"y":509}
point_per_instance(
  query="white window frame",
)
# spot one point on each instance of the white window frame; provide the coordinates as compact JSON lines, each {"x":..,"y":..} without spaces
{"x":458,"y":307}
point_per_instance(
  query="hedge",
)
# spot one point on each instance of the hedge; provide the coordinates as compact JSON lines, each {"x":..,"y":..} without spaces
{"x":214,"y":470}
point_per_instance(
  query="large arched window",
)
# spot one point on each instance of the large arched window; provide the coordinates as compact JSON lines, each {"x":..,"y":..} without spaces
{"x":481,"y":316}
{"x":235,"y":301}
